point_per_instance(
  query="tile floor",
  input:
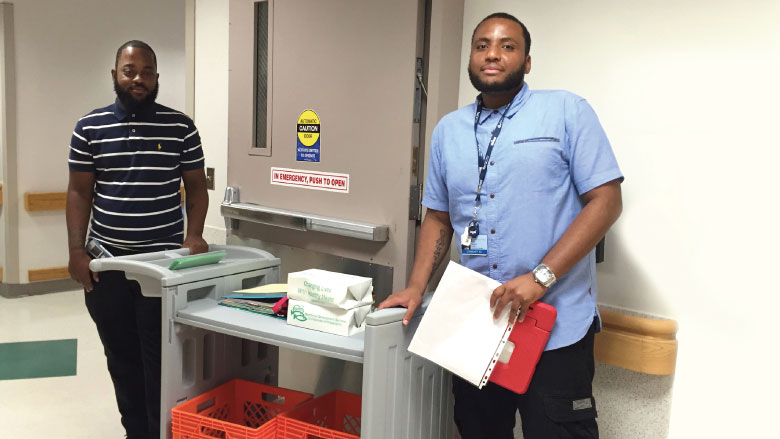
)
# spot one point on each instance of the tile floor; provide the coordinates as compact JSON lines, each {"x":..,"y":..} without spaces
{"x":73,"y":407}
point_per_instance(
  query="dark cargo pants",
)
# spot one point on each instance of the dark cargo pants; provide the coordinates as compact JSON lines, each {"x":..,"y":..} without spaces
{"x":129,"y":326}
{"x":559,"y":403}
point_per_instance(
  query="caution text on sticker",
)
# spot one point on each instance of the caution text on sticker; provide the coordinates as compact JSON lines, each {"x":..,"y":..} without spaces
{"x":325,"y":181}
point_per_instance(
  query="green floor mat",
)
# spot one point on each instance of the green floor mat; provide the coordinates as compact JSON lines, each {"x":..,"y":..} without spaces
{"x":37,"y":359}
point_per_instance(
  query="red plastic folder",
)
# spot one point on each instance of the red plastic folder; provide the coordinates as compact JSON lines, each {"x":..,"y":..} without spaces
{"x":529,"y":337}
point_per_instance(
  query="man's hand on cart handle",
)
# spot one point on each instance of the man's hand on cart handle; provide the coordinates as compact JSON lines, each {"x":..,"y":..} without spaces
{"x":196,"y":244}
{"x":410,"y":298}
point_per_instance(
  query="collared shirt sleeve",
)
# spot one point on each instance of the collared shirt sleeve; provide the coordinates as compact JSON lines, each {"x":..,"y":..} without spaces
{"x":192,"y":152}
{"x":80,"y":158}
{"x":591,"y":160}
{"x":436,"y":196}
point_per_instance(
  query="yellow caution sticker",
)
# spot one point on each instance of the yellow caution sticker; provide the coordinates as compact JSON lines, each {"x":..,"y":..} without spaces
{"x":309,"y":137}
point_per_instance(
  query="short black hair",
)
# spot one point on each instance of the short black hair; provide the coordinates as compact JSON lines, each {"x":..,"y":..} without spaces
{"x":135,"y":43}
{"x":526,"y":34}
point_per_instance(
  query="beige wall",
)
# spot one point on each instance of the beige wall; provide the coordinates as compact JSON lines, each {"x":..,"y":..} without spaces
{"x":211,"y":102}
{"x":686,"y":92}
{"x":6,"y":63}
{"x":64,"y":52}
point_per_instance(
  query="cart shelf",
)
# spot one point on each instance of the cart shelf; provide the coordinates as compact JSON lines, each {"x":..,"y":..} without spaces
{"x":207,"y":314}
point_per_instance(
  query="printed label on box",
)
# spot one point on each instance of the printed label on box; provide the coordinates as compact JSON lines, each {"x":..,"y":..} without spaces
{"x":331,"y":320}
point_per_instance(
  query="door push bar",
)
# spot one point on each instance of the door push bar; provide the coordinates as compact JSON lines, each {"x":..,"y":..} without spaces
{"x":234,"y":211}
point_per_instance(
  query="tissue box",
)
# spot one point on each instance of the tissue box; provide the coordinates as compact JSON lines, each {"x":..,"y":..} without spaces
{"x":332,"y":320}
{"x":330,"y":289}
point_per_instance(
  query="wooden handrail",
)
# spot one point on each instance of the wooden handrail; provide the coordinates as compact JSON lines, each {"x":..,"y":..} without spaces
{"x":637,"y":343}
{"x":53,"y":273}
{"x":43,"y":201}
{"x":664,"y":329}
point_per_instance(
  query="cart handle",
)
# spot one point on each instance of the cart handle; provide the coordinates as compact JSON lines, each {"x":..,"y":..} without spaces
{"x":392,"y":315}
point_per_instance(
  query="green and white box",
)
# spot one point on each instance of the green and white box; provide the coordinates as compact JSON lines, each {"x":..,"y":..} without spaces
{"x":330,"y":289}
{"x":332,"y":320}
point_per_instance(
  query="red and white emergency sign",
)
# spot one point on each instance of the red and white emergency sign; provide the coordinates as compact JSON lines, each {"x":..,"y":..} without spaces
{"x":324,"y":181}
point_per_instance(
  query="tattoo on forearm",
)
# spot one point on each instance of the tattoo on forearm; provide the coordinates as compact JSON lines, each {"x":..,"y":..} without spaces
{"x":438,"y":252}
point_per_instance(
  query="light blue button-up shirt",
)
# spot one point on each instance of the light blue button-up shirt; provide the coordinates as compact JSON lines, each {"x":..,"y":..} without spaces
{"x":551,"y":150}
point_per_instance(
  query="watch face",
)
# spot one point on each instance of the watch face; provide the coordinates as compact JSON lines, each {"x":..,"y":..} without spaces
{"x":543,"y":275}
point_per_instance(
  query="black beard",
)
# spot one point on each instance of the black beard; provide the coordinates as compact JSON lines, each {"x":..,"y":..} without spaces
{"x":130,"y":103}
{"x":514,"y":81}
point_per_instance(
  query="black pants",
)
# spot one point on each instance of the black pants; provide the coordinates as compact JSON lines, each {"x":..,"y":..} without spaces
{"x":559,"y":402}
{"x":129,"y":326}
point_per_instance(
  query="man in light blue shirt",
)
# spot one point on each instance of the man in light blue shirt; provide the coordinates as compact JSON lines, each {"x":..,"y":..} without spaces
{"x":549,"y":190}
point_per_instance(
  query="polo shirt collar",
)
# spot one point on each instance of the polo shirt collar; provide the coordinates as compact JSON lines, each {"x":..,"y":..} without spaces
{"x":121,"y":113}
{"x":520,"y":98}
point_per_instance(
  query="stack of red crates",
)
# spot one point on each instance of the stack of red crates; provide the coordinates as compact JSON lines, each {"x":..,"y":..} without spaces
{"x":237,"y":409}
{"x":242,"y":409}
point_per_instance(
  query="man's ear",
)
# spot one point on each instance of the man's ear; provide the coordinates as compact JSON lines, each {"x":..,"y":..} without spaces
{"x":528,"y":64}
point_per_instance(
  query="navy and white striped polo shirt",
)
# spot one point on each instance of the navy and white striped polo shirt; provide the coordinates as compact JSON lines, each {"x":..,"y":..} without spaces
{"x":138,"y":159}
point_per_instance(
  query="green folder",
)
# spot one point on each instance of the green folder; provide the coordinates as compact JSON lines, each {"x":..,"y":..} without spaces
{"x":196,"y":260}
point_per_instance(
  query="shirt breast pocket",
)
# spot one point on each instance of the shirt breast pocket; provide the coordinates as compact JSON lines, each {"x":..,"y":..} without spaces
{"x":538,"y":140}
{"x":541,"y":163}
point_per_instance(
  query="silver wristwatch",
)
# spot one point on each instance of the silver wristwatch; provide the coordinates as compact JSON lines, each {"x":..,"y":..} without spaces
{"x":544,"y":276}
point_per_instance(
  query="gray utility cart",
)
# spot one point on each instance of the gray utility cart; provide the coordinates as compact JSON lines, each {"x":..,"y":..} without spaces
{"x":205,"y":344}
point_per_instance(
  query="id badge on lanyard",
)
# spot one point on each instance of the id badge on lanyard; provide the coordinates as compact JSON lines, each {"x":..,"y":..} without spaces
{"x":471,"y":242}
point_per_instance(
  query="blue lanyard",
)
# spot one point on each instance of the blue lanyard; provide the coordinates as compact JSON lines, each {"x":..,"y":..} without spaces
{"x":482,"y":163}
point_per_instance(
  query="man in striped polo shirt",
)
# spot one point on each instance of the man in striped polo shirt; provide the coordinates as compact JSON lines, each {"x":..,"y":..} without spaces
{"x":127,"y":162}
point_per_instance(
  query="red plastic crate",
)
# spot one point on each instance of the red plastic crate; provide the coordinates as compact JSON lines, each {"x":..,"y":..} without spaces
{"x":335,"y":415}
{"x":237,"y":409}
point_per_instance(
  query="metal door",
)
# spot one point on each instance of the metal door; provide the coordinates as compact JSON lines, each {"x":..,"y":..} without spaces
{"x":355,"y":64}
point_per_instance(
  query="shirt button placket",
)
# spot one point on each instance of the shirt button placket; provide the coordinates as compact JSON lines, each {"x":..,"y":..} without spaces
{"x":130,"y":141}
{"x":492,"y":208}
